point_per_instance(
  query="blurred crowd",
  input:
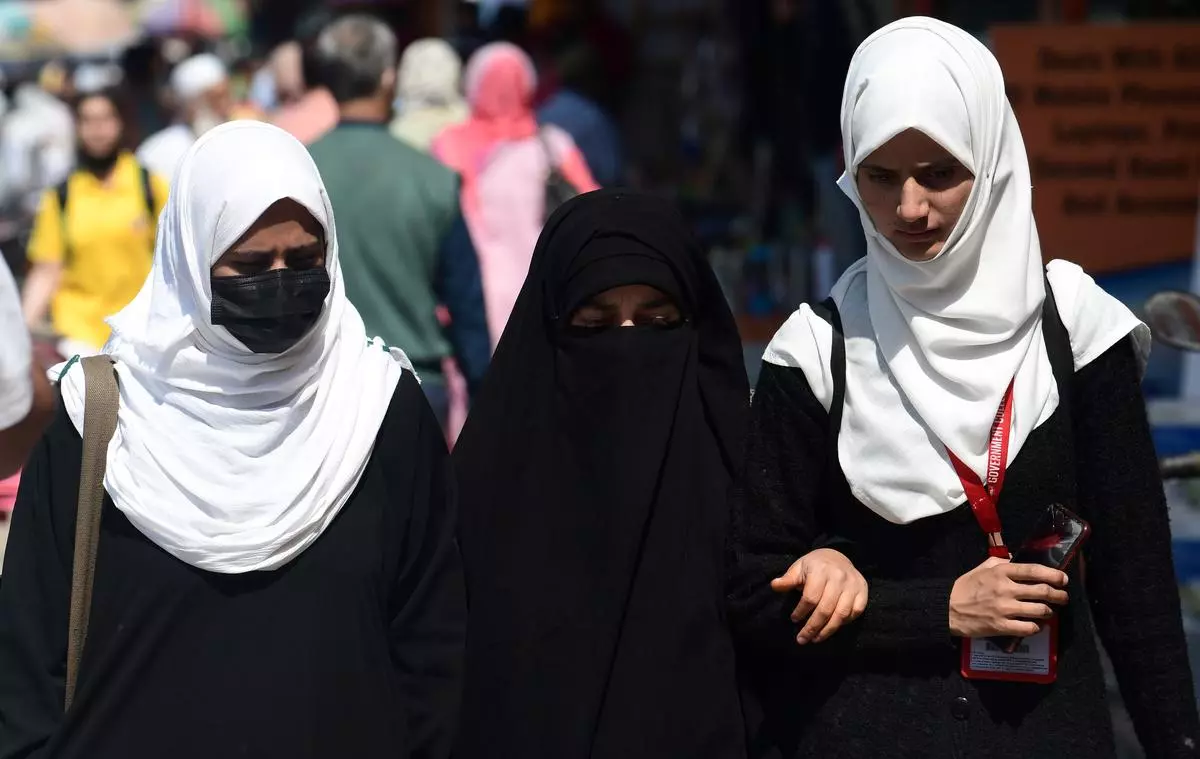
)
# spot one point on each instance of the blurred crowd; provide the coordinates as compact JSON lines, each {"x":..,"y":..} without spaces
{"x":89,"y":151}
{"x":443,"y":157}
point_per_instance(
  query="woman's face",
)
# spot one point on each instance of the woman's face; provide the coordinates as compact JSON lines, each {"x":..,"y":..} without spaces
{"x":914,"y":191}
{"x":627,"y":306}
{"x":286,"y":236}
{"x":269,"y":289}
{"x":99,"y":126}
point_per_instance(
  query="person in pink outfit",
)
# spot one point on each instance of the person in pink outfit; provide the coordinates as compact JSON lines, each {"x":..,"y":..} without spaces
{"x":505,"y":161}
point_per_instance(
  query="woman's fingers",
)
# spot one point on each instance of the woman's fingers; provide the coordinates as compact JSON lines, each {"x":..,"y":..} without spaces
{"x":1024,"y":611}
{"x":820,"y":617}
{"x":842,"y":615}
{"x":860,"y":601}
{"x":1044,"y":593}
{"x":814,"y":590}
{"x":1033,"y":574}
{"x":1019,"y":628}
{"x":791,"y":579}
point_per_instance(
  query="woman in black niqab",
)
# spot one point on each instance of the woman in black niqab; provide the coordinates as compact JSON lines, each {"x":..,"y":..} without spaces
{"x":594,"y":478}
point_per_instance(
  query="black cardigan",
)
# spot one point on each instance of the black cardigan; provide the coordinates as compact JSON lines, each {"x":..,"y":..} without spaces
{"x":889,"y":685}
{"x":353,"y":649}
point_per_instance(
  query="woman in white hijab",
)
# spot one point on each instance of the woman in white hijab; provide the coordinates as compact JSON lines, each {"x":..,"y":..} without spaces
{"x":430,"y":93}
{"x":276,"y":572}
{"x":870,"y":405}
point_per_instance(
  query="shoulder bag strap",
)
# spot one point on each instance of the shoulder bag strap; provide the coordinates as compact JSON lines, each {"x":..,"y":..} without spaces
{"x":61,"y":191}
{"x":148,"y":193}
{"x":1058,"y":348}
{"x":548,"y":151}
{"x":828,"y":311}
{"x":99,"y":423}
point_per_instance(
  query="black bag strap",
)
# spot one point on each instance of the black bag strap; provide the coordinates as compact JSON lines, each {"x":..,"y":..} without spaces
{"x":828,"y":311}
{"x":61,"y":191}
{"x":548,"y":151}
{"x":147,"y":193}
{"x":1058,"y":348}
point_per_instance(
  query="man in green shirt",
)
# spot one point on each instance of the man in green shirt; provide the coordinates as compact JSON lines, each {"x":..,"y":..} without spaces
{"x":404,"y":246}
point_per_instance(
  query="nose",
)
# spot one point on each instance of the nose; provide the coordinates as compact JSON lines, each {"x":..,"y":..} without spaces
{"x":280,"y":261}
{"x":914,"y":203}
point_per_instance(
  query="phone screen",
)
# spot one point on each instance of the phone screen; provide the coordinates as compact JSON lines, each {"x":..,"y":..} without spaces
{"x":1055,"y":541}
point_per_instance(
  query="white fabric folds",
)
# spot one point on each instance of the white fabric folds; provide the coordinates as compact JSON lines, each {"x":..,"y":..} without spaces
{"x":229,"y":460}
{"x":16,"y":354}
{"x":932,"y":346}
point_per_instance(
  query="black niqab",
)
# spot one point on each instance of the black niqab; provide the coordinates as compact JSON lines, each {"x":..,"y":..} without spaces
{"x":594,"y":475}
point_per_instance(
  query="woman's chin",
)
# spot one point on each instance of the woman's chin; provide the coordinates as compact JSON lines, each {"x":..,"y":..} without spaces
{"x":919,"y":251}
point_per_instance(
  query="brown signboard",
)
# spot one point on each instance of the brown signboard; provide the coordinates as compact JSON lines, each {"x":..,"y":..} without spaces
{"x":1111,"y":119}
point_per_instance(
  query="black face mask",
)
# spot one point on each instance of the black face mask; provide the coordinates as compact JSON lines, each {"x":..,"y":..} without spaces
{"x":270,"y":312}
{"x":101,"y":166}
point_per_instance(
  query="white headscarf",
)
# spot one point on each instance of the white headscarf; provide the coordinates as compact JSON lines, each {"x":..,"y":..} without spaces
{"x":233,"y":461}
{"x":932,"y":346}
{"x":195,"y":76}
{"x":429,"y":74}
{"x":428,"y":92}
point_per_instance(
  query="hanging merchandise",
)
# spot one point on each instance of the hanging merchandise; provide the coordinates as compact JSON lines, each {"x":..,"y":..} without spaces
{"x":52,"y":28}
{"x":206,"y":18}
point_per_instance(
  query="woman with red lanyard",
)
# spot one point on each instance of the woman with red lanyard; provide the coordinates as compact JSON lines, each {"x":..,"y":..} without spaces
{"x":928,"y":414}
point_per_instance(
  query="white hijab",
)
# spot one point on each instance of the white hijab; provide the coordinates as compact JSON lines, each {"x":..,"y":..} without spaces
{"x":931,"y":347}
{"x":233,"y":461}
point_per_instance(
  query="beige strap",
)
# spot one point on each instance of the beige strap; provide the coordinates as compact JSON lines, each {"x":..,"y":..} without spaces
{"x":99,"y":423}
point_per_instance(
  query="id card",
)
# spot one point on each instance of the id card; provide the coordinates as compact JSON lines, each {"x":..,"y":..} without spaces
{"x":1034,"y":661}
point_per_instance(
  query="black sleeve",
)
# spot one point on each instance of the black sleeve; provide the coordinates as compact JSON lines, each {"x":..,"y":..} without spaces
{"x":34,"y":600}
{"x":776,"y":520}
{"x":428,"y":629}
{"x":459,"y":285}
{"x":1130,"y":577}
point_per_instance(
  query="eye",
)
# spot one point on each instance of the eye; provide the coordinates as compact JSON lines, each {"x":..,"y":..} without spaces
{"x":660,"y":319}
{"x":880,"y":176}
{"x":589,"y":318}
{"x":939,"y":176}
{"x":251,"y":264}
{"x":303,"y":260}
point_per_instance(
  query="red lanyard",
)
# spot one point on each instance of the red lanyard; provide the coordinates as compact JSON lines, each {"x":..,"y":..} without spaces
{"x":984,"y":496}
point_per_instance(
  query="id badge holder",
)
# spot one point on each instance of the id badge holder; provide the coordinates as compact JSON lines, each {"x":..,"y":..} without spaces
{"x":1034,"y":661}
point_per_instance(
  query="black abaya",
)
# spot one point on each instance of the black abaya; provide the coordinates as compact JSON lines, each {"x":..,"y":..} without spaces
{"x":594,"y":475}
{"x":353,"y":649}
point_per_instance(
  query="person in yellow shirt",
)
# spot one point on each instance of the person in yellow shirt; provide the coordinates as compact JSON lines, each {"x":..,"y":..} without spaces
{"x":93,"y":238}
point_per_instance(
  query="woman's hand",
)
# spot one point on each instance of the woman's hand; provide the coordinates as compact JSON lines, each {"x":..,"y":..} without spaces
{"x":835,"y":593}
{"x":1001,"y":598}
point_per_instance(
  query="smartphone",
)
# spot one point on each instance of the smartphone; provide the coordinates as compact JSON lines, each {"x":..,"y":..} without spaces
{"x":1053,"y":543}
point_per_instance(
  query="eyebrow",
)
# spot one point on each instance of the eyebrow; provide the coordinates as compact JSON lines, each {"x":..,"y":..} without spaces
{"x":662,"y":302}
{"x":311,"y":247}
{"x":944,"y":163}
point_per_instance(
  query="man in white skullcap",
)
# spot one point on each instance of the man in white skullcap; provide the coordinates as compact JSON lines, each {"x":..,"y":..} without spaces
{"x":200,"y":88}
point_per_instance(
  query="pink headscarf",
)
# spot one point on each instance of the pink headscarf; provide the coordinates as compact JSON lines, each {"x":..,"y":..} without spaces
{"x":500,"y":84}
